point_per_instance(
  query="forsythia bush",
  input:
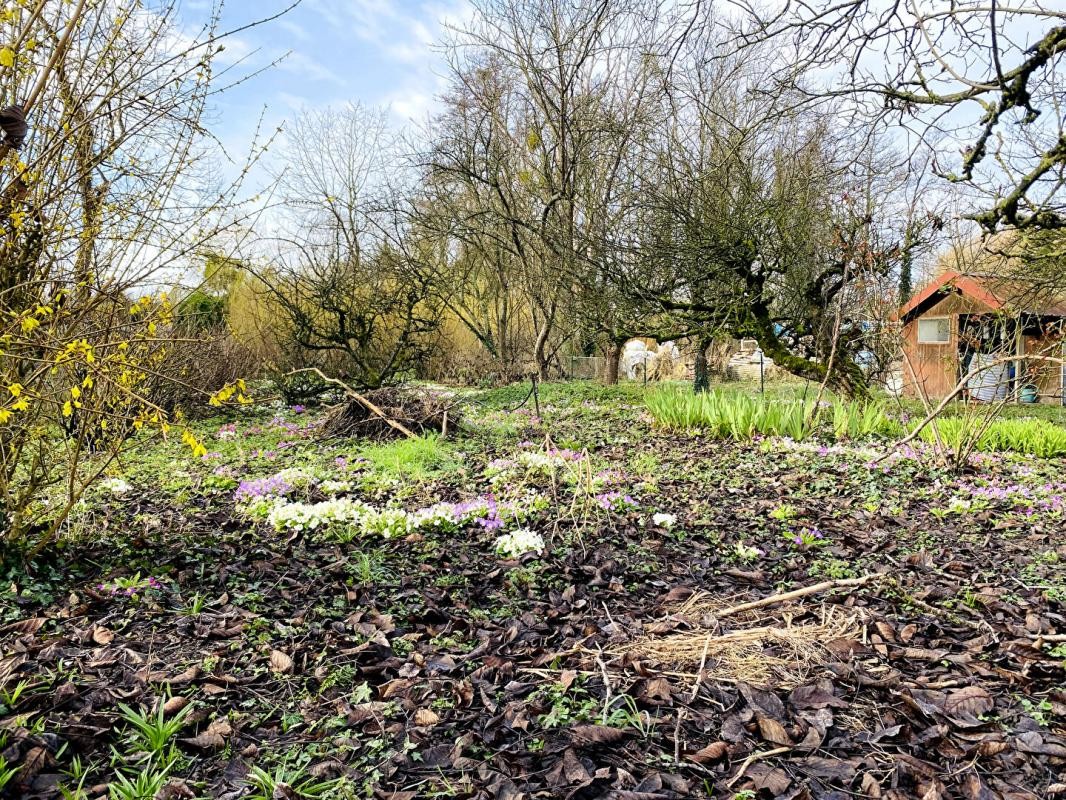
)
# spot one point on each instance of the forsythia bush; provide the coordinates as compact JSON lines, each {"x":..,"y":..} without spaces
{"x":77,"y":377}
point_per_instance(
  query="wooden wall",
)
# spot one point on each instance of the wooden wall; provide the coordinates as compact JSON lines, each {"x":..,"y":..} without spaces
{"x":1047,"y":376}
{"x":936,"y":366}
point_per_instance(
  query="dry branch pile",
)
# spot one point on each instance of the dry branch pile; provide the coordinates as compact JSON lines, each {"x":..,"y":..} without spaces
{"x":418,"y":410}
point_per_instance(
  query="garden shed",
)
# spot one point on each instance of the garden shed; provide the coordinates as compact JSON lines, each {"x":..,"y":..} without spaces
{"x":961,"y":321}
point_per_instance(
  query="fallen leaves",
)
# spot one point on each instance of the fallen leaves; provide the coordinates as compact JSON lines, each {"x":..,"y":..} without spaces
{"x":280,"y":662}
{"x":213,"y":737}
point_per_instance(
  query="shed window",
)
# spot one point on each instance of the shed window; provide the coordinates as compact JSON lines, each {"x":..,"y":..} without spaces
{"x":934,"y":331}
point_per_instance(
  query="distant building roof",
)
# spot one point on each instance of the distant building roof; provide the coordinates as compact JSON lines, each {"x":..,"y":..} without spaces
{"x":996,"y":292}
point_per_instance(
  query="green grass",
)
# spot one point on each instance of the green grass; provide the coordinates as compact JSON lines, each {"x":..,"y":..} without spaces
{"x":560,"y":393}
{"x":417,"y":458}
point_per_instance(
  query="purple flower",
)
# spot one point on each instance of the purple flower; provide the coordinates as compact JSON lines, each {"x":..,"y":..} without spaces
{"x":261,"y":487}
{"x":616,"y":501}
{"x":298,"y":409}
{"x":492,"y":523}
{"x":341,"y":462}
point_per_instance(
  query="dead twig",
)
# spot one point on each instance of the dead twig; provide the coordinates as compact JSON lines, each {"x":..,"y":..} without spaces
{"x":677,"y":736}
{"x":606,"y":689}
{"x":699,"y":673}
{"x":777,"y":751}
{"x":795,"y":594}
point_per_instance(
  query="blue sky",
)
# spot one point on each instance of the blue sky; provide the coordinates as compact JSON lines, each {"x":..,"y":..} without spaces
{"x":378,"y":52}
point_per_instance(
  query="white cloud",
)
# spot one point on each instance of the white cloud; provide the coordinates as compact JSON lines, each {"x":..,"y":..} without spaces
{"x":411,"y":106}
{"x":292,"y":101}
{"x":298,"y":32}
{"x":307,"y":67}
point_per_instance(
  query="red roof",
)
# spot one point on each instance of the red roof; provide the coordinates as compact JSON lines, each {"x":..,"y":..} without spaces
{"x":996,"y":293}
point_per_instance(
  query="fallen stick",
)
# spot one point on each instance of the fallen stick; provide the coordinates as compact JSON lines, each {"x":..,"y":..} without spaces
{"x":777,"y":751}
{"x":795,"y":594}
{"x":699,"y":675}
{"x":358,"y":397}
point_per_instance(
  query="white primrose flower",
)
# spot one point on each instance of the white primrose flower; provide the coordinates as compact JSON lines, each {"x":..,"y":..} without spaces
{"x":116,"y":487}
{"x":387,"y":522}
{"x":297,"y":477}
{"x":663,"y":520}
{"x":334,"y":488}
{"x":519,"y":542}
{"x":311,"y":516}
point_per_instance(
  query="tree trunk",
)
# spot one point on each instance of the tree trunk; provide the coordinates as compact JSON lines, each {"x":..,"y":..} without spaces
{"x":614,"y":360}
{"x":702,"y":382}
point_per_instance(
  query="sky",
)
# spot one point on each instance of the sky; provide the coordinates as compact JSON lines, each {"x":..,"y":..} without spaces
{"x":377,"y":52}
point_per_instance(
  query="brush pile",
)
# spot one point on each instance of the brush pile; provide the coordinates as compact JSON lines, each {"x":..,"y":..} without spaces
{"x":417,"y":410}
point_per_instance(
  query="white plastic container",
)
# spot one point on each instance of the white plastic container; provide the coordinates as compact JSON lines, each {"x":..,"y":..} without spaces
{"x":991,"y":382}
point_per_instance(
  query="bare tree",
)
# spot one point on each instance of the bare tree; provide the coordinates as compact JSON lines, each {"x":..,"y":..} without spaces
{"x":768,"y":217}
{"x":342,"y":291}
{"x":544,"y":106}
{"x":976,"y":84}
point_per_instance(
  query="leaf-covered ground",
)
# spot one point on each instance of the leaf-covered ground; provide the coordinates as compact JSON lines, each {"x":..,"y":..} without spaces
{"x":335,"y":662}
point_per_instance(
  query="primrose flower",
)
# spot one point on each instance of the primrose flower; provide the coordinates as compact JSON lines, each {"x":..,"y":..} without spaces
{"x":116,"y":487}
{"x":616,"y":501}
{"x":519,"y":542}
{"x":333,"y":488}
{"x":663,"y":520}
{"x":274,"y":486}
{"x":746,"y":552}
